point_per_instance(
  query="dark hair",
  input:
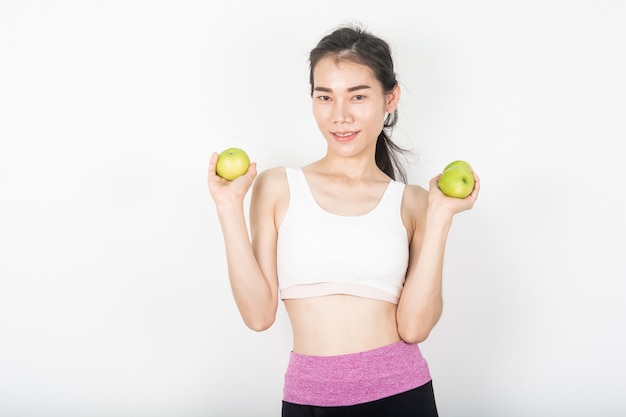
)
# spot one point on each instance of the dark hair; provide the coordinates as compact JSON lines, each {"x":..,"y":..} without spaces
{"x":354,"y":44}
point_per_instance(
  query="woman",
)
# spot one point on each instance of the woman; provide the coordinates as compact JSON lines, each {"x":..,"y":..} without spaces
{"x":355,"y":255}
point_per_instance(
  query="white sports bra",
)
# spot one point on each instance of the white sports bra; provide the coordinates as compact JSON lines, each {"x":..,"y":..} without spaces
{"x":320,"y":253}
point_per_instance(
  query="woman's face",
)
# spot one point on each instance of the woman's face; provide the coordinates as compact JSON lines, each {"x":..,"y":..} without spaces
{"x":350,"y":106}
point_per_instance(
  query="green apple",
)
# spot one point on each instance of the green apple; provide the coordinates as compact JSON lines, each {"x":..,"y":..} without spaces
{"x":457,"y":180}
{"x":232,"y":163}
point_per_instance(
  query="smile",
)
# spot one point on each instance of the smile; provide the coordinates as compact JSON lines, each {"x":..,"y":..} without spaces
{"x":344,"y":136}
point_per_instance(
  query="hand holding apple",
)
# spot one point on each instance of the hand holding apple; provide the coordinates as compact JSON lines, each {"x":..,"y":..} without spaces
{"x":224,"y":189}
{"x":457,"y":179}
{"x":232,"y":163}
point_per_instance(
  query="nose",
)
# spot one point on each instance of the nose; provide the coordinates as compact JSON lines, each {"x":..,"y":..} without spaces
{"x":341,"y":112}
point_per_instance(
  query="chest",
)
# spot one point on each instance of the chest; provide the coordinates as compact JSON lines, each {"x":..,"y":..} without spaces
{"x":348,"y":200}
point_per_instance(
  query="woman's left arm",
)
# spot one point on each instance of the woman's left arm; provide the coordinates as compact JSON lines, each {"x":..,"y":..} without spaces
{"x":421,"y":301}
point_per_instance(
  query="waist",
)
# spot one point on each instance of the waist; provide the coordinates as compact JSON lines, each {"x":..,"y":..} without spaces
{"x":355,"y":378}
{"x":341,"y":324}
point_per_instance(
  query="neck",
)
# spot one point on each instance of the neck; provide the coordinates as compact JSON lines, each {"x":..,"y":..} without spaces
{"x":350,"y":168}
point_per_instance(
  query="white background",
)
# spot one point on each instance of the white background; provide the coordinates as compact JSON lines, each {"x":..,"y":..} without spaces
{"x":114,"y":298}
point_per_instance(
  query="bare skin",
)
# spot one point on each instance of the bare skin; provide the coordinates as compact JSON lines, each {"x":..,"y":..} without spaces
{"x":349,"y":106}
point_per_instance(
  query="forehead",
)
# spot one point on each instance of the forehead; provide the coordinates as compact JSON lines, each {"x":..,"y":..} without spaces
{"x":332,"y":73}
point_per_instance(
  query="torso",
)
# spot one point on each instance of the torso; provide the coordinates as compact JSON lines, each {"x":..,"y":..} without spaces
{"x":341,"y":324}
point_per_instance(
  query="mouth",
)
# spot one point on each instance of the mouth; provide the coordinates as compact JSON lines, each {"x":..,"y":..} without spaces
{"x":344,"y":136}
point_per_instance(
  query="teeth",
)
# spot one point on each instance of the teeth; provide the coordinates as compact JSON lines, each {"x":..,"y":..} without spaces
{"x":343,"y":135}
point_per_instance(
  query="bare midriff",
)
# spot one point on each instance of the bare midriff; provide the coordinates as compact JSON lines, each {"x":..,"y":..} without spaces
{"x":341,"y":324}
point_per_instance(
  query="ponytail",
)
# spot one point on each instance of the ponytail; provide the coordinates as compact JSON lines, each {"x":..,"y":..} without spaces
{"x":388,"y":152}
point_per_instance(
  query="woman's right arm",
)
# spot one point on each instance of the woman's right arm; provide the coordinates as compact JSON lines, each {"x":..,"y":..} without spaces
{"x":251,"y":265}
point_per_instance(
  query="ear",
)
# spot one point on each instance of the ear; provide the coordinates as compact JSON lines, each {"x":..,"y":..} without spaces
{"x":392,"y":99}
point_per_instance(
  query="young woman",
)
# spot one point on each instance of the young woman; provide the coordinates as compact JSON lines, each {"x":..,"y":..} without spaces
{"x":354,"y":253}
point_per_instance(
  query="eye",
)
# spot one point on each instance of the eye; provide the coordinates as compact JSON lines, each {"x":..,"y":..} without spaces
{"x":359,"y":97}
{"x":323,"y":98}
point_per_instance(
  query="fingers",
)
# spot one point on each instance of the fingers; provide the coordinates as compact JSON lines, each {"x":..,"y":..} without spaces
{"x":433,"y":182}
{"x":252,"y":170}
{"x":476,"y":189}
{"x":212,"y":163}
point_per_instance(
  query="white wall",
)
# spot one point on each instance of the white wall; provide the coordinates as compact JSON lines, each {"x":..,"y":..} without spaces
{"x":114,"y":298}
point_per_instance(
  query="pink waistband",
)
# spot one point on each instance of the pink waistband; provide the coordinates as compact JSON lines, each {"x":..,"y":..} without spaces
{"x":329,"y":381}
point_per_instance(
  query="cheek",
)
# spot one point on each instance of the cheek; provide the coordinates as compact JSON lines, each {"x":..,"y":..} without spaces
{"x":319,"y":108}
{"x":318,"y":114}
{"x":377,"y":120}
{"x":375,"y":115}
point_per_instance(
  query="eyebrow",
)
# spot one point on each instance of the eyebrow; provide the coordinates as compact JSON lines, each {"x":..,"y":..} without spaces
{"x":350,"y":89}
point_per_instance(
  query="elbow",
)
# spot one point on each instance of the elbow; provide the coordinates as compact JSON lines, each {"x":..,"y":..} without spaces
{"x":259,"y":324}
{"x":416,"y":329}
{"x":413,"y":334}
{"x":415,"y":326}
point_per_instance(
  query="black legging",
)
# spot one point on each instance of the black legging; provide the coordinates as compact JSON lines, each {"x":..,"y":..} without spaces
{"x":418,"y":402}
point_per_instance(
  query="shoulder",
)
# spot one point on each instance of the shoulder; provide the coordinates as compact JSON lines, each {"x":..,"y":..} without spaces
{"x":271,"y":176}
{"x":415,"y":197}
{"x":270,"y":195}
{"x":414,"y":206}
{"x":270,"y":187}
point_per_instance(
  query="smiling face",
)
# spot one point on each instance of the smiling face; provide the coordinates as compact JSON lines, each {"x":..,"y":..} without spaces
{"x":350,"y":106}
